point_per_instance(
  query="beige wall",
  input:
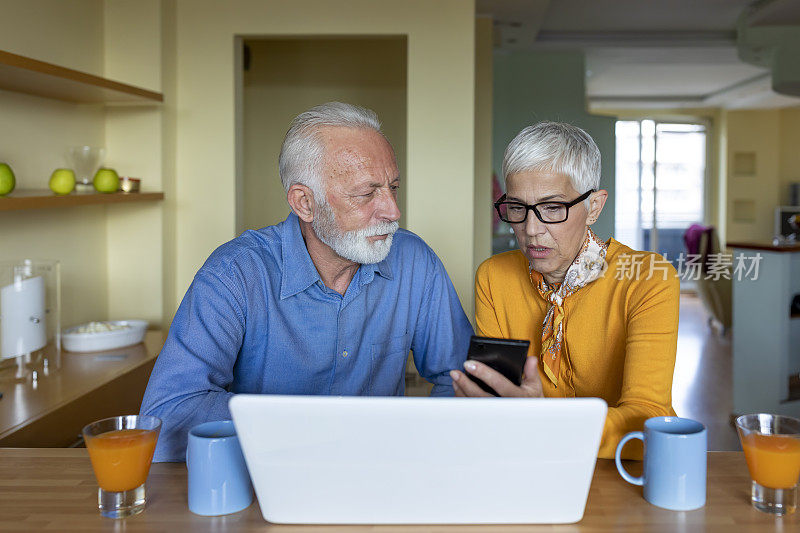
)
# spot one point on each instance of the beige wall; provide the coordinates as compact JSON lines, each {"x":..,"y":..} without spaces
{"x":35,"y":134}
{"x":132,"y":42}
{"x":774,"y":136}
{"x":169,"y":129}
{"x":483,"y":209}
{"x":68,"y":33}
{"x":440,"y":122}
{"x":753,"y":131}
{"x":790,"y":151}
{"x":134,"y":148}
{"x":722,"y":175}
{"x":286,"y":77}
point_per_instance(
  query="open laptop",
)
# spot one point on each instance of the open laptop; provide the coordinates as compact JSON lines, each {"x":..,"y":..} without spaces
{"x":367,"y":460}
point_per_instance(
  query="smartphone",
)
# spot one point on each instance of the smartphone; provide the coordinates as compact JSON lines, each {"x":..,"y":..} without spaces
{"x":507,"y":356}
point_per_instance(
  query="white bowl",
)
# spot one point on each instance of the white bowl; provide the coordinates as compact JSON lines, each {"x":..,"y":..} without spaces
{"x":104,"y":340}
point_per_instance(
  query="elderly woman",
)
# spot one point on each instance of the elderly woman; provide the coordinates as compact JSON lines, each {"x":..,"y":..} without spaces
{"x":602,"y":319}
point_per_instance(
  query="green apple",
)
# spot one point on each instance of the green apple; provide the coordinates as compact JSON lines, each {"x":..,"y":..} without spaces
{"x":62,"y":181}
{"x":7,"y":180}
{"x":106,"y":180}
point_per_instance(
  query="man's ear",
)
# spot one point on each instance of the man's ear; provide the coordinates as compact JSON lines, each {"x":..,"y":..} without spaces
{"x":301,"y":200}
{"x":596,"y":205}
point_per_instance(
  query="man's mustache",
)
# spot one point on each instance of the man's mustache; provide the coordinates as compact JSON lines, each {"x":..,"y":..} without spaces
{"x":384,"y":228}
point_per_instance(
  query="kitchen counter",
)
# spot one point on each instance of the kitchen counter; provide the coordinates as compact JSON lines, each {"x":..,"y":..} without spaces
{"x":87,"y":387}
{"x":765,"y":246}
{"x":766,"y":333}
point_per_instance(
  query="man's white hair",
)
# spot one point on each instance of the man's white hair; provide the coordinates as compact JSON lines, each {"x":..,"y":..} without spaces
{"x":302,"y":153}
{"x":555,"y":147}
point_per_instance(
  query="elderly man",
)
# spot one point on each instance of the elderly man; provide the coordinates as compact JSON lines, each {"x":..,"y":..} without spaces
{"x":329,"y":301}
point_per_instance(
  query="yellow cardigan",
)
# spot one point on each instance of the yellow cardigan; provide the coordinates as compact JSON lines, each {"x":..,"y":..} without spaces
{"x":620,"y":335}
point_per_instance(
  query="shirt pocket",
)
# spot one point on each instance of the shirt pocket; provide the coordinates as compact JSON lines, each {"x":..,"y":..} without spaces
{"x":388,"y":366}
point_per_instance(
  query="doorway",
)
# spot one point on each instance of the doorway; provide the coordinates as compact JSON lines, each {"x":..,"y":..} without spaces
{"x":282,"y":77}
{"x":660,"y":184}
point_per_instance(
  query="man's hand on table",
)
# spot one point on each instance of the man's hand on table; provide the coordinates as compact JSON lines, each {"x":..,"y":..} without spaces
{"x":531,"y":386}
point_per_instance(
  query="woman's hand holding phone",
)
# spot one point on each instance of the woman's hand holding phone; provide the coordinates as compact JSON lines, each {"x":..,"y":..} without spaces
{"x":531,"y":386}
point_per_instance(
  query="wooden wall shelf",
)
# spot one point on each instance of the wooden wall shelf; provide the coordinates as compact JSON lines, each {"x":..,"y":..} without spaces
{"x":44,"y":199}
{"x":31,"y":76}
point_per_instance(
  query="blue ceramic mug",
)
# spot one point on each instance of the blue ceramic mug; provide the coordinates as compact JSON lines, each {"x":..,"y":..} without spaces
{"x":674,"y":474}
{"x":219,"y":482}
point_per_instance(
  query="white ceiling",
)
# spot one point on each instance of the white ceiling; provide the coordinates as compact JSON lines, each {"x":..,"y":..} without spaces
{"x":643,"y":53}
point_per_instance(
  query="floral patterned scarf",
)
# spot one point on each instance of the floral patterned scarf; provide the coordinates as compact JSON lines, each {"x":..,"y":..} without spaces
{"x":589,"y":265}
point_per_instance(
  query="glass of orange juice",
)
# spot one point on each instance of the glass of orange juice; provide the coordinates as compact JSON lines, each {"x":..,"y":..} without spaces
{"x":121,"y":450}
{"x":771,"y":445}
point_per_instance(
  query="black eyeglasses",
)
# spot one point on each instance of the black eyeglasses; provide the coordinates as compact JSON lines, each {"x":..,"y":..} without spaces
{"x":548,"y":212}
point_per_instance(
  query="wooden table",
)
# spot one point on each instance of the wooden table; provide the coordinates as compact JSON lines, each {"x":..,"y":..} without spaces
{"x":55,"y":490}
{"x":87,"y":387}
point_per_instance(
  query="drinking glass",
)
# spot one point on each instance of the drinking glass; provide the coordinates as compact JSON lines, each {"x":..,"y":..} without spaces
{"x":121,"y":450}
{"x":85,"y":161}
{"x":771,"y":445}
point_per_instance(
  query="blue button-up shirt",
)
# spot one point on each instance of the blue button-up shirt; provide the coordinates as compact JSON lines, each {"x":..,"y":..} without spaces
{"x":258,"y":319}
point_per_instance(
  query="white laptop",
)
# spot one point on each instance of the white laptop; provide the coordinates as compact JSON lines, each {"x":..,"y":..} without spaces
{"x":367,"y":460}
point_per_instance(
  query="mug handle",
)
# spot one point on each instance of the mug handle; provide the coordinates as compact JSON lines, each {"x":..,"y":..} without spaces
{"x":617,"y":459}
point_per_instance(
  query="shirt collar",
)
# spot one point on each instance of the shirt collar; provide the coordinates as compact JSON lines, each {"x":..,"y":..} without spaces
{"x":299,"y":272}
{"x":383,"y":269}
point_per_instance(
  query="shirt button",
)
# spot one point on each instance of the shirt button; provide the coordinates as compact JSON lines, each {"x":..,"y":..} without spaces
{"x":344,"y":353}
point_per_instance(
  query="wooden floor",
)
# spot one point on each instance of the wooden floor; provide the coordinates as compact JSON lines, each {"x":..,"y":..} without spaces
{"x":702,"y":381}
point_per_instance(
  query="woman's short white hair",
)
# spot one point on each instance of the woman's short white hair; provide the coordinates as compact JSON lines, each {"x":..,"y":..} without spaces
{"x":302,"y":152}
{"x":555,"y":147}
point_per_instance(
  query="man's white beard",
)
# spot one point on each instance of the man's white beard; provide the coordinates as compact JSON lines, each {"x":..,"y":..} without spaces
{"x":353,"y":245}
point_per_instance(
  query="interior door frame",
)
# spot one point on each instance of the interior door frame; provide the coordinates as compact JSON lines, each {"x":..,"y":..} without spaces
{"x":666,"y":119}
